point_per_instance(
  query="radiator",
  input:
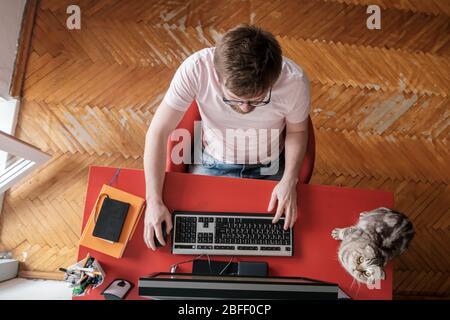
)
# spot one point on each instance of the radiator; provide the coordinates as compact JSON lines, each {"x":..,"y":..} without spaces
{"x":8,"y":269}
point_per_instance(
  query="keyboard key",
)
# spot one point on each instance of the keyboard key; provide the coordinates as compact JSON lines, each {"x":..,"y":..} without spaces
{"x":270,"y":248}
{"x":224,"y":247}
{"x":247,"y":248}
{"x":183,"y":246}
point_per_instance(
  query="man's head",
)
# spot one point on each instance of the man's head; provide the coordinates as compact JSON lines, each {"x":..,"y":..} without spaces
{"x":248,"y":62}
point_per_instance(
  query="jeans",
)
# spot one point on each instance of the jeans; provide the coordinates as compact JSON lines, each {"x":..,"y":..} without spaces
{"x":213,"y":167}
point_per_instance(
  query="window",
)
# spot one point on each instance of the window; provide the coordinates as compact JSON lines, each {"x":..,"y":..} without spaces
{"x":17,"y":159}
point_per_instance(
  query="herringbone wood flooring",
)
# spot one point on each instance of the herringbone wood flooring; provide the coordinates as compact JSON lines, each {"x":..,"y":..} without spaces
{"x":380,"y":108}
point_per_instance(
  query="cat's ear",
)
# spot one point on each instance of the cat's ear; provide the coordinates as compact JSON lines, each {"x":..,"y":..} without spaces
{"x":379,"y":273}
{"x":369,"y":251}
{"x":382,"y":274}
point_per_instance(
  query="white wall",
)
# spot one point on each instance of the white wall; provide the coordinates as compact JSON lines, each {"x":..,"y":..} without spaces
{"x":11,"y":12}
{"x":9,"y":112}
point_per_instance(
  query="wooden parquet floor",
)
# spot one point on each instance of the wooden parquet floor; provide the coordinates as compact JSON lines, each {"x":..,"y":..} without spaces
{"x":380,"y":106}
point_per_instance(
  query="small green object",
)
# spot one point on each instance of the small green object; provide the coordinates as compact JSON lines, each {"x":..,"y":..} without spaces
{"x":81,"y":288}
{"x":77,"y":291}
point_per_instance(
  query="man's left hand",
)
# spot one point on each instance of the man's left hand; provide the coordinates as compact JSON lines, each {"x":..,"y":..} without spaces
{"x":285,"y":193}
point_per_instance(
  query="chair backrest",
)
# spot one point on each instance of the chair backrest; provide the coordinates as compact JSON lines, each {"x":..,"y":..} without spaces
{"x":187,"y":122}
{"x":193,"y":114}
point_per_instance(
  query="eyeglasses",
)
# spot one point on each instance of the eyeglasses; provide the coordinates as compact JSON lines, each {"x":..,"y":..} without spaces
{"x":249,"y":102}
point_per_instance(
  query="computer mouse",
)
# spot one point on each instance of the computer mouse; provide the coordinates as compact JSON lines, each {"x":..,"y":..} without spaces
{"x":164,"y":234}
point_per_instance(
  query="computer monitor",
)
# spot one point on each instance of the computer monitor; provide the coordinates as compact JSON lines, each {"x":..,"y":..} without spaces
{"x":190,"y":286}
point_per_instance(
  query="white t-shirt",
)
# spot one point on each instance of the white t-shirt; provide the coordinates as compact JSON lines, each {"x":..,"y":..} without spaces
{"x":229,"y":136}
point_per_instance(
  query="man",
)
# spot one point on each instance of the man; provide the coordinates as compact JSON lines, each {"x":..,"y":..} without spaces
{"x":243,"y":86}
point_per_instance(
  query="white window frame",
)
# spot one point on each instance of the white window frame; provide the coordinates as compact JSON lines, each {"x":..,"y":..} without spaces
{"x":30,"y":158}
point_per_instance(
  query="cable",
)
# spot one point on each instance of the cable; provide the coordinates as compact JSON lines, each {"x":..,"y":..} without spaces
{"x":174,"y":266}
{"x":209,"y":264}
{"x":232,"y":258}
{"x":114,"y":178}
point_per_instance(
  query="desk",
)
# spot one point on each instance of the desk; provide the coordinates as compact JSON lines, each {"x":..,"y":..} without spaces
{"x":321,"y":208}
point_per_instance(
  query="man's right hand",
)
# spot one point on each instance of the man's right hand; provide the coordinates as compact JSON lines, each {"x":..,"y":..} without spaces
{"x":164,"y":121}
{"x":156,"y":213}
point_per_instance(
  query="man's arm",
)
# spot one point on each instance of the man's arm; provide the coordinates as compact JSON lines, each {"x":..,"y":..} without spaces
{"x":286,"y":190}
{"x":295,"y":148}
{"x":163,"y":123}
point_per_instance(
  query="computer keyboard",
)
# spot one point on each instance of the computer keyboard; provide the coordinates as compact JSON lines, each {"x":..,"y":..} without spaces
{"x":230,"y":234}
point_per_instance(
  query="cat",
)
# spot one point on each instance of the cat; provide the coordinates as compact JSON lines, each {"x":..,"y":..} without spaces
{"x":379,"y":236}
